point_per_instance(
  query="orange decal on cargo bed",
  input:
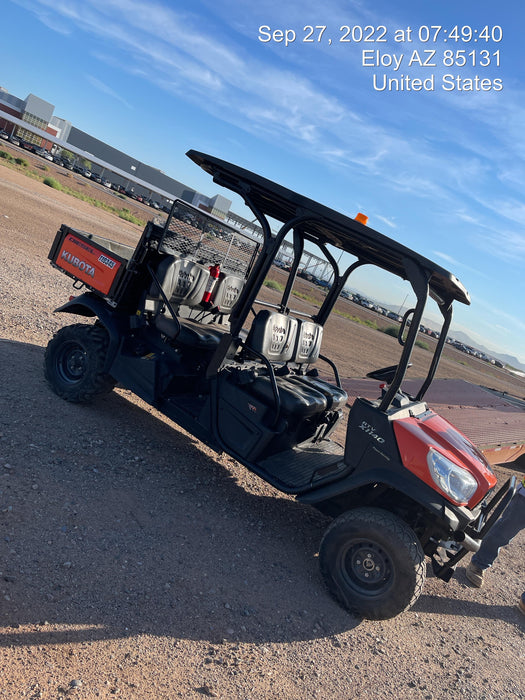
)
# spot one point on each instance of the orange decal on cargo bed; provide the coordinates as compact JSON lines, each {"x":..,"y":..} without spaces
{"x":87,"y":263}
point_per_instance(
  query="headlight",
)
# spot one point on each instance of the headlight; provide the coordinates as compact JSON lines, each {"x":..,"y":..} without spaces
{"x":456,"y":482}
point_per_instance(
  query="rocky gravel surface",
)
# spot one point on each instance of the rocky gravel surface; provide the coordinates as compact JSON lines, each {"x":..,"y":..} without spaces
{"x":136,"y":563}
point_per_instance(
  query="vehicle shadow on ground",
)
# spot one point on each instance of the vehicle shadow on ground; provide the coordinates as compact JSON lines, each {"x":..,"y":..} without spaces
{"x":115,"y":523}
{"x":467,"y":608}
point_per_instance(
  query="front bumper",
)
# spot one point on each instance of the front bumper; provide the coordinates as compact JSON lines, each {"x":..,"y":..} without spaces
{"x":469,"y":539}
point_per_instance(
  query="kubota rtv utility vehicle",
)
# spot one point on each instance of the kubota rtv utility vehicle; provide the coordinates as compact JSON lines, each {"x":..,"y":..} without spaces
{"x":181,"y":321}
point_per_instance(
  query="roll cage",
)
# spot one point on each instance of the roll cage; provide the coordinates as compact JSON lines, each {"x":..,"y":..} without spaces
{"x":308,"y":221}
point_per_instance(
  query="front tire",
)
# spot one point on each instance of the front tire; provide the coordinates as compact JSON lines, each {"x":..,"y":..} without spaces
{"x":74,"y":363}
{"x":372,"y":563}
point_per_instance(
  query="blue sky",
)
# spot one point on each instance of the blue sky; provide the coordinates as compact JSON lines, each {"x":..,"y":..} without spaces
{"x":440,"y":169}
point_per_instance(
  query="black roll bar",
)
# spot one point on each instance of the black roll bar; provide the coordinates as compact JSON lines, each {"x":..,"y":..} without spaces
{"x":418,"y":278}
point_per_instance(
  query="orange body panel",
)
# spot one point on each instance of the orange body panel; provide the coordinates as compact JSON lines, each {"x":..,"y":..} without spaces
{"x":416,"y":435}
{"x":95,"y":268}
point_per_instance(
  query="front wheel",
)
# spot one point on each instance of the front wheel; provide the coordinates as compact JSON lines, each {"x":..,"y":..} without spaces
{"x":372,"y":563}
{"x":74,"y":363}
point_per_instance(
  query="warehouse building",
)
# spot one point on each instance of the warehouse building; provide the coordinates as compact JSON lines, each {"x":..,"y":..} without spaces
{"x":33,"y":121}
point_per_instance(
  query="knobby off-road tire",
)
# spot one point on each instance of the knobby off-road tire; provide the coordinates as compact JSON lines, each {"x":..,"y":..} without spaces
{"x":372,"y":563}
{"x":74,"y":363}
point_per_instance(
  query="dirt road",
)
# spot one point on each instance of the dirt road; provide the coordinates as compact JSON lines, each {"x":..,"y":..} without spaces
{"x":136,"y":563}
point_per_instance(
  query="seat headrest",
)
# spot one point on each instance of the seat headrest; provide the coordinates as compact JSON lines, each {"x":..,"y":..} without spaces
{"x":273,"y":335}
{"x":308,"y":342}
{"x":183,"y":280}
{"x":227,"y":292}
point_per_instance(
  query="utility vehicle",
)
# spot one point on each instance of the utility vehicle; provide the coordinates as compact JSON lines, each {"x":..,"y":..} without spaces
{"x":182,"y":321}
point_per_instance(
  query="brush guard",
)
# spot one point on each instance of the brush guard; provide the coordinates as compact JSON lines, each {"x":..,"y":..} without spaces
{"x":470,"y":539}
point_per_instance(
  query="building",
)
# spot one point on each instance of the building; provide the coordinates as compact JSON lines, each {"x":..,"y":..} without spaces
{"x":34,"y":111}
{"x":32,"y":119}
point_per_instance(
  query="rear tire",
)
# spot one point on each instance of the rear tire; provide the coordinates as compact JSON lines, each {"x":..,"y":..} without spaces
{"x":74,"y":363}
{"x":372,"y":563}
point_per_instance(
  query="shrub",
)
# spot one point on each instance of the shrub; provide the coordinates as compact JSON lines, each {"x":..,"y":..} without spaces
{"x":127,"y":216}
{"x":6,"y":155}
{"x":391,"y":330}
{"x":51,"y":182}
{"x":21,"y":161}
{"x":273,"y":284}
{"x":422,"y":344}
{"x":362,"y":321}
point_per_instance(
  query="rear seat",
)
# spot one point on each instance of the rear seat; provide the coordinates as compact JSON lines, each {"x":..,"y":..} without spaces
{"x":183,"y":282}
{"x":190,"y":332}
{"x":226,"y":292}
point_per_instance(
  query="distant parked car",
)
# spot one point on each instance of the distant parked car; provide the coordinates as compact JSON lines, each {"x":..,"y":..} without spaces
{"x":31,"y":147}
{"x":14,"y":140}
{"x":96,"y":177}
{"x":106,"y":183}
{"x":4,"y":135}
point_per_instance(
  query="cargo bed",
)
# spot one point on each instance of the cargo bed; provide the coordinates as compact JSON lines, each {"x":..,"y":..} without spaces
{"x":96,"y":262}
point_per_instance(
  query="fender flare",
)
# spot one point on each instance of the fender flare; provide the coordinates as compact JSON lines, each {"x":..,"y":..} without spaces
{"x":453,"y":517}
{"x":88,"y":304}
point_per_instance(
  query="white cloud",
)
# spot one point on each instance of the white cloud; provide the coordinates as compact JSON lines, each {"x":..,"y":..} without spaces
{"x":99,"y":85}
{"x":449,"y":260}
{"x":506,"y":245}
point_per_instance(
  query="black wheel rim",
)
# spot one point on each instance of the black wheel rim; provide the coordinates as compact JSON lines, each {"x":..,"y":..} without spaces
{"x":71,"y":362}
{"x":366,"y":567}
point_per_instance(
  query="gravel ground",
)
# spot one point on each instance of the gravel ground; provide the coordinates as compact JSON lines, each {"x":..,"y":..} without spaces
{"x":136,"y":563}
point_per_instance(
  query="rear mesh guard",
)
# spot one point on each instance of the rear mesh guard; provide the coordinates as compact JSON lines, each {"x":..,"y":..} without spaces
{"x":208,"y":241}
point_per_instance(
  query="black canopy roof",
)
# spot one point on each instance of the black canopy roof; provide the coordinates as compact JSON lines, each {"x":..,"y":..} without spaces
{"x":329,"y":226}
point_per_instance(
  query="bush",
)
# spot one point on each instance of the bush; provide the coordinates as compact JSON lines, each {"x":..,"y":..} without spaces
{"x":6,"y":155}
{"x":21,"y":161}
{"x":273,"y":284}
{"x":391,"y":330}
{"x":127,"y":216}
{"x":51,"y":182}
{"x":422,"y":344}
